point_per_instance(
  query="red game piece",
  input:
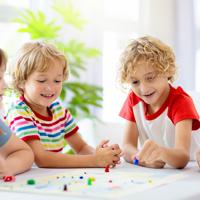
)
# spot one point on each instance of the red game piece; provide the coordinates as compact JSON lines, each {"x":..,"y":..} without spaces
{"x":9,"y":178}
{"x":107,"y":169}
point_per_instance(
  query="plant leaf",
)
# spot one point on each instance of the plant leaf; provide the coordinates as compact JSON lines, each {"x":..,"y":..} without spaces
{"x":70,"y":15}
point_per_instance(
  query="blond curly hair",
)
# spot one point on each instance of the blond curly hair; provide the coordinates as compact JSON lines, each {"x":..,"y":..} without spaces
{"x":147,"y":49}
{"x":35,"y":56}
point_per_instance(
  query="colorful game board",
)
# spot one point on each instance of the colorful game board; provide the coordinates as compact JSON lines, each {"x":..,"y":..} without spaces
{"x":95,"y":183}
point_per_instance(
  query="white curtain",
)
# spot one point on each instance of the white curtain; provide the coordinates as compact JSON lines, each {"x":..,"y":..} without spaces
{"x":173,"y":22}
{"x":185,"y":43}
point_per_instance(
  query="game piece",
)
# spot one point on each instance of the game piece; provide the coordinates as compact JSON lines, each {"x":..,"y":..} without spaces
{"x":136,"y":161}
{"x":107,"y":169}
{"x":9,"y":178}
{"x":31,"y":182}
{"x":65,"y":187}
{"x":89,"y":181}
{"x":92,"y":178}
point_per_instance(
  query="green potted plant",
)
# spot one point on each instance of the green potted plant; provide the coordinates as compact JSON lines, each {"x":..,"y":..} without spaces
{"x":79,"y":97}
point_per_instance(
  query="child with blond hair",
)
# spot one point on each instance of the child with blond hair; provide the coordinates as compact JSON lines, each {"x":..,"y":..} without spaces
{"x":158,"y":115}
{"x":15,"y":155}
{"x":39,"y":119}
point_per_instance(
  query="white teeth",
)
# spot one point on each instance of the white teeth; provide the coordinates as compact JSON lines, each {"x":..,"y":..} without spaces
{"x":50,"y":95}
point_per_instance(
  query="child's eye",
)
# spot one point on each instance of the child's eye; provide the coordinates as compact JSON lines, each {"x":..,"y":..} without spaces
{"x":41,"y":81}
{"x":57,"y":81}
{"x":150,"y":78}
{"x":134,"y":82}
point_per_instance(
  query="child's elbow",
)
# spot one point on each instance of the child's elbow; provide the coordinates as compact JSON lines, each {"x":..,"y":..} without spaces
{"x":183,"y":161}
{"x":40,"y":162}
{"x":28,"y":157}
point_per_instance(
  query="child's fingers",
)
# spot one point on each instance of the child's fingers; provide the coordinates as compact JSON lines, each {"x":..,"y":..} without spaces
{"x":121,"y":154}
{"x":118,"y":162}
{"x":116,"y":159}
{"x":115,"y":146}
{"x":157,"y":164}
{"x":153,"y":156}
{"x":103,"y":144}
{"x":112,"y":166}
{"x":116,"y":152}
{"x":143,"y":153}
{"x":148,"y":148}
{"x":148,"y":156}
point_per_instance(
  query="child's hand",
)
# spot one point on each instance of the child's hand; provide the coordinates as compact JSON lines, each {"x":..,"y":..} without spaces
{"x":103,"y":143}
{"x":198,"y":157}
{"x":150,"y":155}
{"x":107,"y":155}
{"x":116,"y":147}
{"x":158,"y":164}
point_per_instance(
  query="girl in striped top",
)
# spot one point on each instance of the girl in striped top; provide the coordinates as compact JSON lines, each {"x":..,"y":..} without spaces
{"x":41,"y":121}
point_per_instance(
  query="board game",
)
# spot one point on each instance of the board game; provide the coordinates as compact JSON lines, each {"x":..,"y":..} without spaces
{"x":94,"y":183}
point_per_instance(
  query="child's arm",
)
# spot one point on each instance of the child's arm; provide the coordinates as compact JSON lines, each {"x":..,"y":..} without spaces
{"x":130,"y":141}
{"x":178,"y":156}
{"x":130,"y":146}
{"x":82,"y":148}
{"x":101,"y":157}
{"x":79,"y":145}
{"x":16,"y":157}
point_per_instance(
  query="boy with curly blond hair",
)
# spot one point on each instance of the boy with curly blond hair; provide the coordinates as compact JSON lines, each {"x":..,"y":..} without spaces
{"x":162,"y":117}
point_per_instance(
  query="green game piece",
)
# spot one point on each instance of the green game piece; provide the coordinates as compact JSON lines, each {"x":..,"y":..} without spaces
{"x":31,"y":182}
{"x":89,"y":181}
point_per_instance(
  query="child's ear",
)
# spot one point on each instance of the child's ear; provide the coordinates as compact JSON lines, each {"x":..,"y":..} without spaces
{"x":21,"y":85}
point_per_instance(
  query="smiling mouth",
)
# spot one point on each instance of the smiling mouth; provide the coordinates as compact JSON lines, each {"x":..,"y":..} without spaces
{"x":47,"y":95}
{"x":148,"y":95}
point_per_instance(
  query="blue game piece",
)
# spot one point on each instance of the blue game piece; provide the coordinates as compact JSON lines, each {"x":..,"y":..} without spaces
{"x":136,"y":161}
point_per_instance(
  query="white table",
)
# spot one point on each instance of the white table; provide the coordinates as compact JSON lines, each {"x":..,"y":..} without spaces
{"x":187,"y":188}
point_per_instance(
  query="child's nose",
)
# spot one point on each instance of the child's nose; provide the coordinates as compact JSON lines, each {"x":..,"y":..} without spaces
{"x":143,"y":87}
{"x":48,"y":87}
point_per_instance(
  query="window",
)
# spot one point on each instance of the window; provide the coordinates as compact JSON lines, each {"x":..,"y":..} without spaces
{"x":10,"y":39}
{"x":121,"y":22}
